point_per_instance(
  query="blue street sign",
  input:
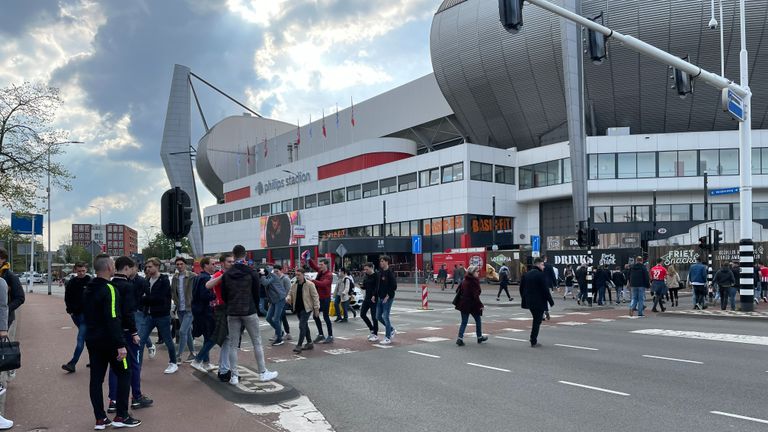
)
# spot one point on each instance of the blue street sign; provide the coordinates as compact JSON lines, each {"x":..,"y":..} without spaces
{"x":22,"y":223}
{"x":733,"y":104}
{"x":726,"y":191}
{"x":536,"y":243}
{"x":416,"y":244}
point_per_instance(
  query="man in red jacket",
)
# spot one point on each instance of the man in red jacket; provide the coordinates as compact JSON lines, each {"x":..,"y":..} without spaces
{"x":323,"y":282}
{"x":658,"y":286}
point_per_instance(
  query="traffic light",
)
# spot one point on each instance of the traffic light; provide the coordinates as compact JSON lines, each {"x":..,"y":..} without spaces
{"x":511,"y":14}
{"x":594,"y":240}
{"x":703,"y":243}
{"x":683,"y":82}
{"x":717,"y":239}
{"x":175,"y":213}
{"x":582,"y":237}
{"x":185,"y":210}
{"x":597,"y":46}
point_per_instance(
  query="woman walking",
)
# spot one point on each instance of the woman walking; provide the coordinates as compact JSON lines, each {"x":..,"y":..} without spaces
{"x":470,"y":304}
{"x":673,"y":284}
{"x":569,"y":276}
{"x":503,"y":282}
{"x":304,"y":300}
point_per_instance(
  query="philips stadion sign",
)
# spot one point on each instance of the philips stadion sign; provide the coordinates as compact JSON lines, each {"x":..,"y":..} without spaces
{"x":279,"y":183}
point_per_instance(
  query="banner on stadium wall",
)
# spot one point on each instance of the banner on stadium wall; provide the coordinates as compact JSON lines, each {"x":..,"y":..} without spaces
{"x":277,"y":230}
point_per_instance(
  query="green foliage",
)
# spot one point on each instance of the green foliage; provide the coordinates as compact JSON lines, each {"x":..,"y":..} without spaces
{"x":77,"y":253}
{"x":162,"y":247}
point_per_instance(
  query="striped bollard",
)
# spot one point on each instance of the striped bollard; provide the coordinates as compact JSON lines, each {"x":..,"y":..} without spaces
{"x":746,"y":280}
{"x":424,"y":297}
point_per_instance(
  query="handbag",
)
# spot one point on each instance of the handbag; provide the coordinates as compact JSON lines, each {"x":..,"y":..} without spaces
{"x":10,"y":354}
{"x":457,"y":297}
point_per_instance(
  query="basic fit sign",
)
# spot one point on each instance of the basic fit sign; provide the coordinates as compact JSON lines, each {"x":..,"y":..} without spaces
{"x":455,"y":258}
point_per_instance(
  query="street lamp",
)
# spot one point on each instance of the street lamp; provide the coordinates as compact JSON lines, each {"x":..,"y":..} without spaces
{"x":48,"y":193}
{"x":99,"y":209}
{"x":298,"y":204}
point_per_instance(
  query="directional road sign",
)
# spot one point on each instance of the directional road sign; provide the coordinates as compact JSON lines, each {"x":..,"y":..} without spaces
{"x":733,"y":104}
{"x":416,"y":244}
{"x":341,"y":250}
{"x":726,"y":191}
{"x":536,"y":246}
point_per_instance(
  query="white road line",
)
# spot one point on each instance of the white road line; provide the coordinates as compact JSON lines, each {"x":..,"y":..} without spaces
{"x":672,"y":359}
{"x":757,"y":420}
{"x":511,"y":338}
{"x":489,"y":367}
{"x":512,"y":330}
{"x":717,"y":337}
{"x":577,"y":347}
{"x":424,"y":354}
{"x":594,"y":388}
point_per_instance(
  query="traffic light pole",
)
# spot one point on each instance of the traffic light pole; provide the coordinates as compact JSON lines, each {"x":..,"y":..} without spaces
{"x":746,"y":246}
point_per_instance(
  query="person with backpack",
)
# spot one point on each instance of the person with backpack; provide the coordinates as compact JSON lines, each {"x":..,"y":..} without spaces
{"x":619,"y":281}
{"x":344,"y":286}
{"x":15,"y":291}
{"x":503,"y":282}
{"x":569,"y":277}
{"x":726,"y":284}
{"x":277,"y":292}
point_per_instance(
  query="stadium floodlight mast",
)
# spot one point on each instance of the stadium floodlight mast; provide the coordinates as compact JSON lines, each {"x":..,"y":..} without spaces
{"x":512,"y":19}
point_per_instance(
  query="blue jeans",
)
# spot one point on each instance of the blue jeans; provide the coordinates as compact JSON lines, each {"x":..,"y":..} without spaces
{"x":638,"y":300}
{"x":601,"y":295}
{"x":141,"y":320}
{"x":203,"y":354}
{"x":79,"y":321}
{"x":163,"y":325}
{"x":185,"y":332}
{"x":382,"y":314}
{"x":732,"y":297}
{"x":262,"y":305}
{"x":325,"y":304}
{"x":134,"y":364}
{"x":275,"y":316}
{"x":465,"y":320}
{"x":224,"y":356}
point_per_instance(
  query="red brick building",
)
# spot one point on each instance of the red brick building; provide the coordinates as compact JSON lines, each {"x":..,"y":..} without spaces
{"x":119,"y":239}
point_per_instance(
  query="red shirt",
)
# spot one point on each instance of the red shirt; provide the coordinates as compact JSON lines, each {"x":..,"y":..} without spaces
{"x":764,"y":274}
{"x":658,"y":273}
{"x":217,"y":289}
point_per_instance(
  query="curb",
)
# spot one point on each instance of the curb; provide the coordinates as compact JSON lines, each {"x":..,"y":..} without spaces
{"x":238,"y":395}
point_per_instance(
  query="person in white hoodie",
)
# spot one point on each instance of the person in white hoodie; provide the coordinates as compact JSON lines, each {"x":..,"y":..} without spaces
{"x":341,"y":296}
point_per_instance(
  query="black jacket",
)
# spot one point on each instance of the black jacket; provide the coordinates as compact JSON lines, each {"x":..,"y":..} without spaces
{"x":581,"y":277}
{"x":15,"y":294}
{"x":534,"y":290}
{"x":128,"y":305}
{"x":549,"y":273}
{"x":102,"y":311}
{"x":203,"y":321}
{"x":387,"y":284}
{"x":73,"y":294}
{"x":638,"y":276}
{"x":156,"y":300}
{"x":724,"y":278}
{"x":240,"y":290}
{"x":618,"y":279}
{"x":138,"y":289}
{"x":370,"y":285}
{"x":602,"y":276}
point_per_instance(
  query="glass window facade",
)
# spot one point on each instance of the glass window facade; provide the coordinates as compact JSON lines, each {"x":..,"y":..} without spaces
{"x":545,"y":174}
{"x":407,"y":182}
{"x":354,"y":193}
{"x":323,"y":199}
{"x":388,"y":185}
{"x":337,"y":196}
{"x":480,"y":171}
{"x":370,"y":189}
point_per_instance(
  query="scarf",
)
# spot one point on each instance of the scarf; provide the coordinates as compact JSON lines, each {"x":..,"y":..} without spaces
{"x":4,"y":268}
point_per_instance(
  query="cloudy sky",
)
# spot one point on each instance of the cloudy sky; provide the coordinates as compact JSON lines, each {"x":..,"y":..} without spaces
{"x":113,"y":61}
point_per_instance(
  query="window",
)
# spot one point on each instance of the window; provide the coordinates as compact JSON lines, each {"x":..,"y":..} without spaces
{"x":602,"y":214}
{"x":414,"y":227}
{"x":760,"y":210}
{"x":388,"y":185}
{"x":627,"y":165}
{"x":646,"y":165}
{"x":337,"y":195}
{"x":429,"y":177}
{"x":323,"y":199}
{"x":756,"y":161}
{"x":481,"y":171}
{"x":255,"y":211}
{"x":720,"y":211}
{"x":394,"y":229}
{"x":286,"y":205}
{"x":265,"y":210}
{"x":642,"y":213}
{"x":275,"y":208}
{"x":667,"y":164}
{"x":370,"y":189}
{"x":697,"y":212}
{"x":454,"y":172}
{"x":680,"y":212}
{"x":764,"y":152}
{"x":238,"y":215}
{"x":729,"y":162}
{"x":310,"y":201}
{"x":623,"y":214}
{"x":354,"y":193}
{"x":407,"y":181}
{"x":663,"y":213}
{"x":504,"y":174}
{"x":567,"y":170}
{"x":606,"y":166}
{"x":526,"y":177}
{"x":708,"y":162}
{"x":376,"y":230}
{"x":230,"y":217}
{"x":298,"y":203}
{"x":222,"y":218}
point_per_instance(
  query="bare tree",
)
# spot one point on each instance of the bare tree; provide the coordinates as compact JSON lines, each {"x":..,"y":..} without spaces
{"x":27,"y":139}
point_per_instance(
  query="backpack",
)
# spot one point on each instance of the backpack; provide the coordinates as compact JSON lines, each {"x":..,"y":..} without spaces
{"x":351,"y":291}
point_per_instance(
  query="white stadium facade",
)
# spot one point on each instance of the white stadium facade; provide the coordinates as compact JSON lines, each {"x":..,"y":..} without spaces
{"x":494,"y":133}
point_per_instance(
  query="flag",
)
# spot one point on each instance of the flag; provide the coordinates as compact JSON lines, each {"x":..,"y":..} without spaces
{"x":325,"y":133}
{"x":337,"y":116}
{"x":353,"y":111}
{"x":298,"y":133}
{"x":248,"y":152}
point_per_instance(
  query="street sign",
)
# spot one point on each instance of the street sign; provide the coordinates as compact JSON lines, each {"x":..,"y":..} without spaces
{"x":536,"y":246}
{"x":733,"y":104}
{"x":341,"y":250}
{"x":22,"y":223}
{"x":726,"y":191}
{"x":416,"y":244}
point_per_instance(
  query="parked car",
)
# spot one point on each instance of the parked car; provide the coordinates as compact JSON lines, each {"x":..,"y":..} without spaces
{"x":36,"y":277}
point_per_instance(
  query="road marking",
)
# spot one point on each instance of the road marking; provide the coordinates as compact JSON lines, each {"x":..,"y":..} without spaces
{"x":718,"y":337}
{"x":378,"y":345}
{"x":489,"y":367}
{"x":602,"y":320}
{"x":577,"y":313}
{"x":511,"y":338}
{"x":757,"y":420}
{"x":341,"y":338}
{"x":430,"y":328}
{"x":339,"y":351}
{"x":571,"y":323}
{"x":521,"y":319}
{"x":512,"y":330}
{"x":672,"y":359}
{"x":433,"y":339}
{"x":424,"y":354}
{"x":364,"y":328}
{"x":594,"y":388}
{"x":577,"y":347}
{"x":299,"y":415}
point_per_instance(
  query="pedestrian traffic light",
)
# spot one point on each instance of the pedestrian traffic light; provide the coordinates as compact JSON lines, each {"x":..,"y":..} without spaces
{"x":597,"y":47}
{"x":175,"y":213}
{"x":185,"y":210}
{"x":717,"y":238}
{"x":594,"y":239}
{"x":511,"y":14}
{"x":582,"y":237}
{"x":703,"y":243}
{"x":683,"y":81}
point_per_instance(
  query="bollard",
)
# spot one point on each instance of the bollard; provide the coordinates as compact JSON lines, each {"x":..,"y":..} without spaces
{"x":424,"y":297}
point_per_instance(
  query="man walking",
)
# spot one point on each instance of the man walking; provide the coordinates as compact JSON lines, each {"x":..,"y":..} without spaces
{"x":697,"y":277}
{"x":658,"y":286}
{"x":221,"y":328}
{"x":156,"y":303}
{"x":385,"y":296}
{"x":442,"y":276}
{"x":15,"y":290}
{"x":140,"y":316}
{"x":639,"y":281}
{"x":277,"y":286}
{"x":240,"y":290}
{"x":203,"y":321}
{"x":323,"y":282}
{"x":536,"y":296}
{"x":181,"y":292}
{"x":106,"y":344}
{"x":370,"y":285}
{"x":73,"y":299}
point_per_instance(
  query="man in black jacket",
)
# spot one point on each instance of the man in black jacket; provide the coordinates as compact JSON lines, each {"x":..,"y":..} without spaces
{"x":15,"y":290}
{"x":73,"y":299}
{"x":106,"y":344}
{"x":124,"y":267}
{"x":156,"y":303}
{"x":370,"y":285}
{"x":536,"y":296}
{"x":140,"y":316}
{"x":240,"y":291}
{"x":385,"y":296}
{"x":639,"y":281}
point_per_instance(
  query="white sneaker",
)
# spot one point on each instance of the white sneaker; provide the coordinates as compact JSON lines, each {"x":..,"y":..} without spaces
{"x":234,"y":380}
{"x":152,"y":351}
{"x":394,"y":332}
{"x":373,"y":338}
{"x":172,"y":368}
{"x":209,"y":367}
{"x":5,"y":423}
{"x":386,"y":341}
{"x":199,"y":366}
{"x":267,"y":376}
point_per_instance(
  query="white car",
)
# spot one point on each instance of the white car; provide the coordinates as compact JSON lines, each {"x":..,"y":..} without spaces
{"x":357,"y":300}
{"x":36,"y":277}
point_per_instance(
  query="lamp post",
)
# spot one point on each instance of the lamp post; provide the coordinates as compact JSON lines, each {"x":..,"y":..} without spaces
{"x":48,"y":193}
{"x":99,"y":209}
{"x":298,"y":204}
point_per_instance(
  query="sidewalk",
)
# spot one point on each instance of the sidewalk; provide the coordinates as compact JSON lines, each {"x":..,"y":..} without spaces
{"x":43,"y":397}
